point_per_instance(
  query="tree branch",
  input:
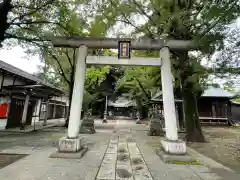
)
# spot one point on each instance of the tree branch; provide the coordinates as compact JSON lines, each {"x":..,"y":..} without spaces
{"x":144,"y":13}
{"x":60,"y":66}
{"x":68,"y":58}
{"x":219,"y":20}
{"x":74,"y":57}
{"x":32,"y":22}
{"x":141,"y":86}
{"x":11,"y":36}
{"x":34,"y":11}
{"x":127,"y":21}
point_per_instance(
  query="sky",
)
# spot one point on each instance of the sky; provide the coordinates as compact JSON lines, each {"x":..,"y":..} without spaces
{"x":18,"y":58}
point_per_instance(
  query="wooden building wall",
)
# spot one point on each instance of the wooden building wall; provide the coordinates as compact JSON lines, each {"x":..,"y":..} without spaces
{"x":214,"y":110}
{"x":235,"y":112}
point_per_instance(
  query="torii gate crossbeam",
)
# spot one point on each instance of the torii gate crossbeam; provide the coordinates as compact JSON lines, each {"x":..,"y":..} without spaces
{"x":112,"y":60}
{"x":112,"y":43}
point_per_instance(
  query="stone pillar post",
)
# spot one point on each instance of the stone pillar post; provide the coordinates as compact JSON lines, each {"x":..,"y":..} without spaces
{"x":25,"y":110}
{"x":37,"y":107}
{"x":73,"y":143}
{"x":77,"y":95}
{"x":46,"y":113}
{"x":171,"y":144}
{"x":106,"y":110}
{"x":54,"y":108}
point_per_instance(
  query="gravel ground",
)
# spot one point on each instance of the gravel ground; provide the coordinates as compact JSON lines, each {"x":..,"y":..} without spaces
{"x":223,"y":146}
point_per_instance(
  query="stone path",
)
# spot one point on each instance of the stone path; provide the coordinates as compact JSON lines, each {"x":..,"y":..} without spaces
{"x":123,"y":152}
{"x":131,"y":155}
{"x":123,"y":160}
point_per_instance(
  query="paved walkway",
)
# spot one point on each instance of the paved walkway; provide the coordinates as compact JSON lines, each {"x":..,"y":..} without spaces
{"x":125,"y":152}
{"x":37,"y":126}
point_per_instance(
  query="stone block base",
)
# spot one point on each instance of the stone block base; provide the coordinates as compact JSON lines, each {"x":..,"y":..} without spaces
{"x":176,"y":159}
{"x":76,"y":155}
{"x":155,"y":132}
{"x":174,"y":147}
{"x":70,"y":145}
{"x":87,"y":130}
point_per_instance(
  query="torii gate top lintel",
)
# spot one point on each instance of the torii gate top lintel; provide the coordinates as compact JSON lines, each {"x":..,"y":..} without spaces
{"x":112,"y":43}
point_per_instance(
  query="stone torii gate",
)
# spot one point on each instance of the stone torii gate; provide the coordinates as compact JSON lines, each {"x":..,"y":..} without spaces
{"x":73,"y":143}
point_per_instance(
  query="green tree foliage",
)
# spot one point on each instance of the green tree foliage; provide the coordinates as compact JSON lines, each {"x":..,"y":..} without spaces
{"x":138,"y":83}
{"x":74,"y":18}
{"x":26,"y":19}
{"x":201,"y":21}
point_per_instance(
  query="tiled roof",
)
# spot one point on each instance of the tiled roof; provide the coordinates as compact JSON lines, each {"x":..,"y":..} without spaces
{"x":121,"y":102}
{"x":11,"y":69}
{"x":216,"y":92}
{"x":210,"y":92}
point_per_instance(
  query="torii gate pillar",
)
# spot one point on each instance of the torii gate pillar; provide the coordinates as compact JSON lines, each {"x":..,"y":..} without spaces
{"x":172,"y":144}
{"x":73,"y":143}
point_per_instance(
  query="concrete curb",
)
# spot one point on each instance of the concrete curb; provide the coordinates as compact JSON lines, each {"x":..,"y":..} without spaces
{"x":206,"y":160}
{"x":76,"y":155}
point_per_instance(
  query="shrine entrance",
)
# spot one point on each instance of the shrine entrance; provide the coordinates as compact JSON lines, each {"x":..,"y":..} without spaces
{"x":172,"y":143}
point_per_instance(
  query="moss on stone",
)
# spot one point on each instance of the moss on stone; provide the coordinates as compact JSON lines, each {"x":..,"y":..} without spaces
{"x":184,"y":162}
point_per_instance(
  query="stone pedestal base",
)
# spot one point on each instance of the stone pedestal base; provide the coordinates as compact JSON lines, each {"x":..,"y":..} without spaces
{"x":70,"y":145}
{"x":174,"y":147}
{"x":70,"y":148}
{"x":177,"y":159}
{"x":87,"y":126}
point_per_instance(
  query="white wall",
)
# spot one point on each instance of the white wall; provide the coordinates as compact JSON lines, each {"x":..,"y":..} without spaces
{"x":19,"y":82}
{"x":8,"y":80}
{"x":62,"y":99}
{"x":35,"y":116}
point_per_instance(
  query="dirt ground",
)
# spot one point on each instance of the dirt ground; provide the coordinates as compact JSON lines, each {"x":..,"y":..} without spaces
{"x":223,"y":146}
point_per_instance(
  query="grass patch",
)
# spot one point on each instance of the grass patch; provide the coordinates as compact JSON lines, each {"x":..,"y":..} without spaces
{"x":184,"y":162}
{"x":54,"y":137}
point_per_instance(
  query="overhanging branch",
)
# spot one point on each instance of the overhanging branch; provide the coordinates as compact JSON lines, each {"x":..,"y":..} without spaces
{"x":11,"y":36}
{"x":219,"y":20}
{"x":127,"y":21}
{"x":68,"y":58}
{"x":144,"y":13}
{"x":141,"y":86}
{"x":34,"y":11}
{"x":59,"y":65}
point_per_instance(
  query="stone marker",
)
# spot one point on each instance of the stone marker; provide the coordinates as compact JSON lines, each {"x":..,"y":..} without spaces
{"x":87,"y":126}
{"x":155,"y":125}
{"x":138,"y":121}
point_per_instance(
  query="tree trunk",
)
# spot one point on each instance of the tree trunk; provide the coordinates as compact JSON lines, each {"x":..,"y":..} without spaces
{"x":189,"y":94}
{"x":5,"y":9}
{"x":139,"y":106}
{"x":193,"y":127}
{"x":70,"y":98}
{"x":102,"y":109}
